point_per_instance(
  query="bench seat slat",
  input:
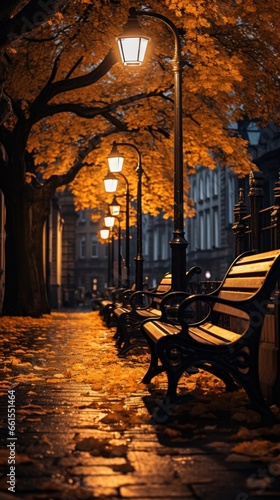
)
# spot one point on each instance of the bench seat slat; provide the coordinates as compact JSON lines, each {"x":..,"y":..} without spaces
{"x":156,"y":329}
{"x":142,"y":312}
{"x":213,"y":334}
{"x":209,"y":333}
{"x":149,"y":312}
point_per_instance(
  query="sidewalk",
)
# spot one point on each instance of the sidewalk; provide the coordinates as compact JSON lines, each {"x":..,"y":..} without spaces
{"x":86,"y":428}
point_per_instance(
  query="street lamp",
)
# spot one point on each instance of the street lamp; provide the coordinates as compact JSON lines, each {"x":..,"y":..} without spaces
{"x":115,"y":160}
{"x":104,"y":234}
{"x":114,"y":207}
{"x":131,"y":45}
{"x":119,"y":253}
{"x":109,"y":223}
{"x":110,"y":184}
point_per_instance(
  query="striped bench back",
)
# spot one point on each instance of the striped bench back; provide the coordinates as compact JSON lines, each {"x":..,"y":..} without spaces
{"x":250,"y":276}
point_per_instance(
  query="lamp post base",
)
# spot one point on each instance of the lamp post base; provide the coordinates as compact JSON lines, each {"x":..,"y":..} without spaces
{"x":139,"y":272}
{"x":178,"y":246}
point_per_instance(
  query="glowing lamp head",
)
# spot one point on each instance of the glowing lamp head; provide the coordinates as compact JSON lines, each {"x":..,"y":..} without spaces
{"x":133,"y":43}
{"x":104,"y":233}
{"x":114,"y":207}
{"x":109,"y":221}
{"x":110,"y":183}
{"x":115,"y":159}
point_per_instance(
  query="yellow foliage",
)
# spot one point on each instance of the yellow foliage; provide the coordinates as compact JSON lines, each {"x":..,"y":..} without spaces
{"x":230,"y":54}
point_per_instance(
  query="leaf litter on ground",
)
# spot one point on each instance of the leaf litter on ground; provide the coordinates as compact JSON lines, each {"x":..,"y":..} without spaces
{"x":40,"y":340}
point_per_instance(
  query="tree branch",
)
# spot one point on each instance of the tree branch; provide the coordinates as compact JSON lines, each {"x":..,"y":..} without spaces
{"x":35,"y":13}
{"x":55,"y":88}
{"x":89,"y":112}
{"x":56,"y":181}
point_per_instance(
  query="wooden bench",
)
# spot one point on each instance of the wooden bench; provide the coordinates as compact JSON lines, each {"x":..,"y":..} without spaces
{"x":226,"y":341}
{"x":142,"y":305}
{"x":118,"y":297}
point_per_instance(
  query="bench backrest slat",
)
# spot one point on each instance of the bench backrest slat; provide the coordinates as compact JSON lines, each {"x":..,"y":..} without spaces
{"x":252,"y":283}
{"x":164,"y":284}
{"x":245,"y":279}
{"x":235,"y":313}
{"x":252,"y":267}
{"x":163,"y":287}
{"x":248,"y":274}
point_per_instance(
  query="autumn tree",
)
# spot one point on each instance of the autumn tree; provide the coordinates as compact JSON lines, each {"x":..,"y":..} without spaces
{"x":71,"y":98}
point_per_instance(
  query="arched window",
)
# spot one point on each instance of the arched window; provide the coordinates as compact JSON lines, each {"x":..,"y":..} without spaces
{"x":82,"y":247}
{"x":194,"y":192}
{"x":215,"y":183}
{"x":94,"y":247}
{"x":201,"y":190}
{"x":231,"y":199}
{"x":207,"y":185}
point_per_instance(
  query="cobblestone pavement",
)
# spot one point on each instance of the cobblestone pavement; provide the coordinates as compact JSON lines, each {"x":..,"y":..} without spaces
{"x":87,"y":428}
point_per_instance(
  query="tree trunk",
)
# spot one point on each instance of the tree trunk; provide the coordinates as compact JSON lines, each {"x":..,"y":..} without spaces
{"x":25,"y":291}
{"x":40,"y":213}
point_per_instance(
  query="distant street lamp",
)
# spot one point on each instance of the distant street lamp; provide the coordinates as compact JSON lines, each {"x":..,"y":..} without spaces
{"x":115,"y":161}
{"x":114,"y":207}
{"x":132,"y":45}
{"x":110,"y":185}
{"x":109,"y":222}
{"x":104,"y":234}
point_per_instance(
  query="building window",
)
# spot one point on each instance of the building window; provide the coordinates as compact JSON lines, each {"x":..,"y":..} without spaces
{"x":194,"y":192}
{"x":201,"y":193}
{"x":82,"y":215}
{"x":207,"y":185}
{"x":216,"y":239}
{"x":201,"y":231}
{"x":94,"y":248}
{"x":151,"y":245}
{"x":160,"y":243}
{"x":231,"y":199}
{"x":215,"y":183}
{"x":94,"y":284}
{"x":82,"y":247}
{"x":207,"y":230}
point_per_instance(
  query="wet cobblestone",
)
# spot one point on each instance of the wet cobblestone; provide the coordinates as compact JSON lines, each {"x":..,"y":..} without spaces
{"x":79,"y":438}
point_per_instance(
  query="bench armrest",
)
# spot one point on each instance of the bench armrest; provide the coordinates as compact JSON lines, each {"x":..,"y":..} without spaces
{"x":171,"y":301}
{"x":143,"y":299}
{"x":170,"y":304}
{"x":185,"y":312}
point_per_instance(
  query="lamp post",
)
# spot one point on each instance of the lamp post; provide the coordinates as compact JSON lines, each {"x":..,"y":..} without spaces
{"x":119,"y":253}
{"x":132,"y":49}
{"x":115,"y":161}
{"x":110,"y":185}
{"x":104,"y":233}
{"x":109,"y":222}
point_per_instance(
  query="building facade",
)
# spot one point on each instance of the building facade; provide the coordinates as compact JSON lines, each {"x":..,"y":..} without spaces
{"x":209,"y":233}
{"x":91,"y":261}
{"x":78,"y":264}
